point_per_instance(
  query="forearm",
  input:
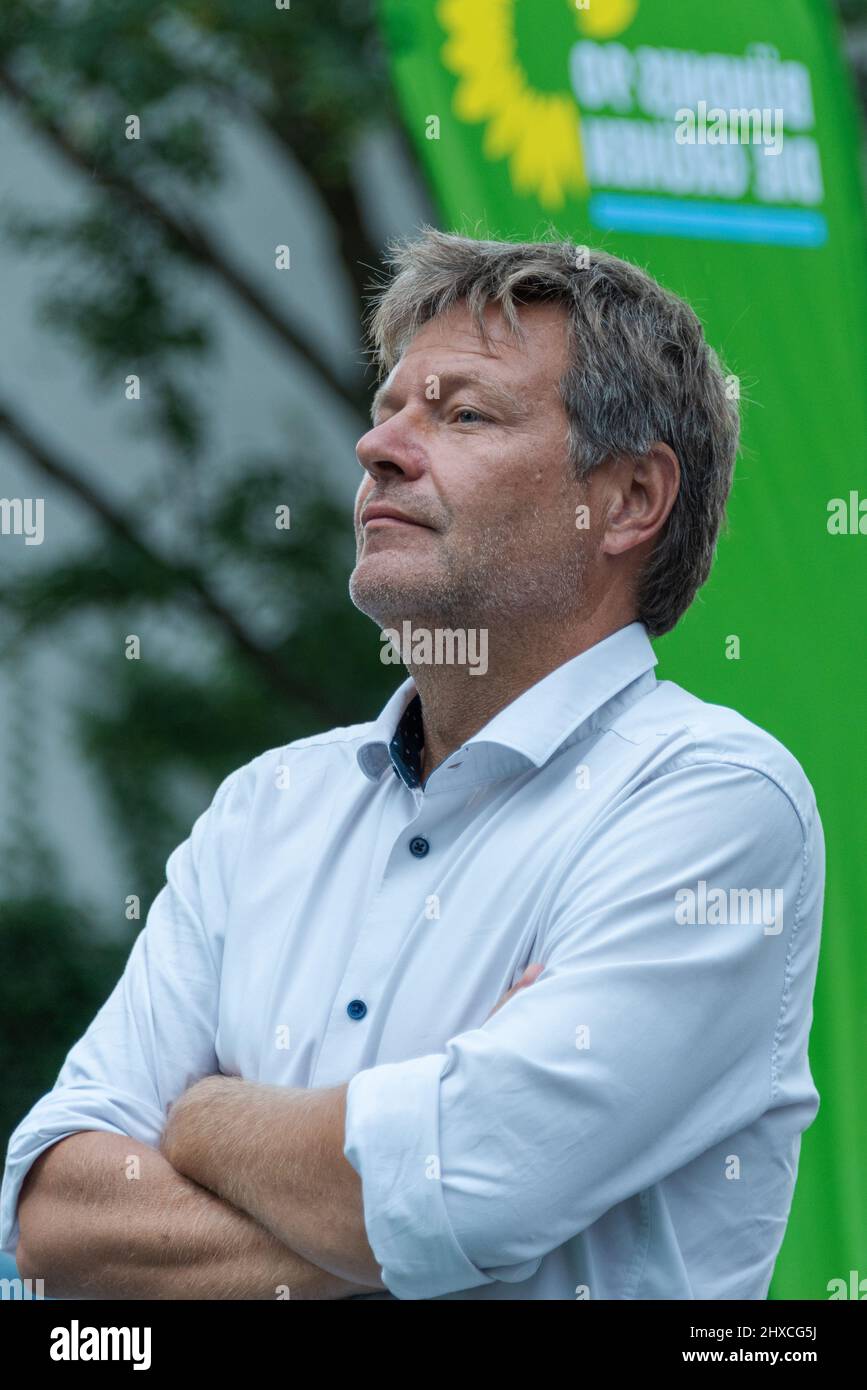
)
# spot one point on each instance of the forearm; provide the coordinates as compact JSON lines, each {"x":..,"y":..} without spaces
{"x":277,"y":1153}
{"x":91,"y":1230}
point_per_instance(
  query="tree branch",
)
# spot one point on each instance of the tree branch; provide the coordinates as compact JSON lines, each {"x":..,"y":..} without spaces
{"x":188,"y":236}
{"x":265,"y":661}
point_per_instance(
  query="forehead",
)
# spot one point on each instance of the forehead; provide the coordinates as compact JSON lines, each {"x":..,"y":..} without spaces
{"x":453,"y":338}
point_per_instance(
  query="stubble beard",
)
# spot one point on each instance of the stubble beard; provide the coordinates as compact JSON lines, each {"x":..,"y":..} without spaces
{"x":488,"y":586}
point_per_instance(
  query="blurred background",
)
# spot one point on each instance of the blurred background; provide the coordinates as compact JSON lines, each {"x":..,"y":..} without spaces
{"x":182,"y":354}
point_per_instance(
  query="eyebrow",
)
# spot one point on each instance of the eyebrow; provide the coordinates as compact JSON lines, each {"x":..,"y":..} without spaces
{"x":453,"y":381}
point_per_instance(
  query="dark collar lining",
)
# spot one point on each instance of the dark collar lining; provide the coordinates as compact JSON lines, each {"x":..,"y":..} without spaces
{"x":407,"y":746}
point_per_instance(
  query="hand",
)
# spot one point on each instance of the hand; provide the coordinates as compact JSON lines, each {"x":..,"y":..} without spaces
{"x":183,"y":1117}
{"x":530,"y":974}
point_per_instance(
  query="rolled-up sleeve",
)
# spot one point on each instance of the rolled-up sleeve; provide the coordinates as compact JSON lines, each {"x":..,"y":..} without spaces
{"x":653,"y":1032}
{"x":155,"y":1034}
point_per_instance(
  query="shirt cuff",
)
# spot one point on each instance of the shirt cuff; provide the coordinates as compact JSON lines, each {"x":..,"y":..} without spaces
{"x":18,"y":1165}
{"x":392,"y":1142}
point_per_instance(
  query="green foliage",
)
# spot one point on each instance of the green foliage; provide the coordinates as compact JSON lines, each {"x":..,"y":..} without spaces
{"x":54,"y":978}
{"x":257,"y":641}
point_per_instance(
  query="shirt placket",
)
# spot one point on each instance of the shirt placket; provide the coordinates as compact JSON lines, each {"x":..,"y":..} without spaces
{"x":396,"y":905}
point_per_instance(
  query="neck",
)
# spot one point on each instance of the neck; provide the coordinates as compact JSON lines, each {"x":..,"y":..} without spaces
{"x":456,"y":703}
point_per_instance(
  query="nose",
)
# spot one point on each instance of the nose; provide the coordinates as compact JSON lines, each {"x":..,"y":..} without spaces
{"x":390,"y":450}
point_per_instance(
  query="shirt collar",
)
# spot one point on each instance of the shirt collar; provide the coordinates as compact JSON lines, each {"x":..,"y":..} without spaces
{"x":533,"y":726}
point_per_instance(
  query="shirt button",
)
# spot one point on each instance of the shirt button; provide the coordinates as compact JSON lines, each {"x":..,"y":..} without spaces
{"x":419,"y":847}
{"x":356,"y":1008}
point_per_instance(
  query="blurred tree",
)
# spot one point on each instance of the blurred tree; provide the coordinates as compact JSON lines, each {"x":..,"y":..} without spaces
{"x":54,"y":978}
{"x":853,"y":19}
{"x":131,"y":260}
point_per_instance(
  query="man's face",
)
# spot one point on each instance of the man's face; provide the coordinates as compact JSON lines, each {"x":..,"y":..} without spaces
{"x":472,"y":444}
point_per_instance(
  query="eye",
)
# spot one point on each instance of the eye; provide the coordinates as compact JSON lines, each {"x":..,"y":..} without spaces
{"x":468,"y":410}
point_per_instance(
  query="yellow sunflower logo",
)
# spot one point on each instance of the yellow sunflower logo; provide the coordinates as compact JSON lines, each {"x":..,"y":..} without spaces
{"x":537,"y":130}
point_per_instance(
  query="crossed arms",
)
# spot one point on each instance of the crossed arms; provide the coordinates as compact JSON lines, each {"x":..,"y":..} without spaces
{"x":209,"y":1214}
{"x":89,"y":1231}
{"x":248,"y":1196}
{"x":277,"y":1153}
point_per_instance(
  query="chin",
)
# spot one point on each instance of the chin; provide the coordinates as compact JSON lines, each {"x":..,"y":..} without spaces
{"x":387,"y":593}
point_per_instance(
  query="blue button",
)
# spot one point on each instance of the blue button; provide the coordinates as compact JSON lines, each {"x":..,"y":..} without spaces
{"x":356,"y":1008}
{"x":419,"y":847}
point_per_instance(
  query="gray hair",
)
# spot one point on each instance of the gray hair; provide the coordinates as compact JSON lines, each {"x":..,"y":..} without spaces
{"x":640,"y":370}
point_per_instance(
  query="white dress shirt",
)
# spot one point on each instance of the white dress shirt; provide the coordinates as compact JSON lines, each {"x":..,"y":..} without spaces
{"x":627,"y":1127}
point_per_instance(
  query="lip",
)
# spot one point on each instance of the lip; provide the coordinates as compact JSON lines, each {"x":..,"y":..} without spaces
{"x":387,"y":516}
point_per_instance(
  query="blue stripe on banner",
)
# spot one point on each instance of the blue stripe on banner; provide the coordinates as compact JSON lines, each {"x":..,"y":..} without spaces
{"x":622,"y":212}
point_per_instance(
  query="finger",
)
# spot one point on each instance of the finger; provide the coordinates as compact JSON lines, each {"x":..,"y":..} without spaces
{"x":531,"y":974}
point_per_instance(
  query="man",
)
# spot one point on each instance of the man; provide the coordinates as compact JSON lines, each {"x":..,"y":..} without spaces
{"x":299,"y":1085}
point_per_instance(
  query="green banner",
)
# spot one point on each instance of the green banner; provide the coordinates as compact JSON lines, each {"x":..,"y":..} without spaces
{"x":717,"y":147}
